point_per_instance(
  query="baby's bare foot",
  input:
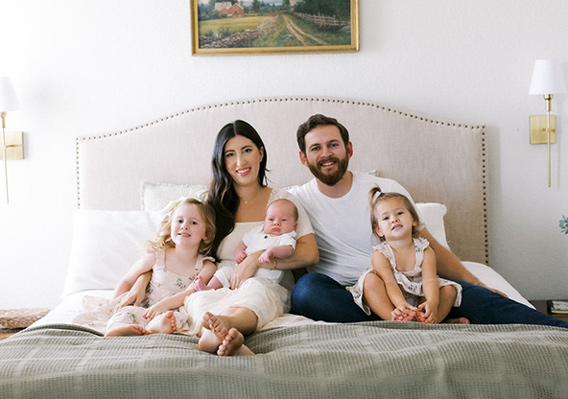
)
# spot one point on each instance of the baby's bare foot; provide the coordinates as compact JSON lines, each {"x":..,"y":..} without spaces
{"x":163,"y":324}
{"x":126,"y":330}
{"x":199,"y":285}
{"x":233,"y":345}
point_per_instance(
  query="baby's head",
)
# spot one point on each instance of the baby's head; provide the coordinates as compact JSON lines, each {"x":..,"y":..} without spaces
{"x":188,"y":206}
{"x":281,"y":217}
{"x":379,"y":201}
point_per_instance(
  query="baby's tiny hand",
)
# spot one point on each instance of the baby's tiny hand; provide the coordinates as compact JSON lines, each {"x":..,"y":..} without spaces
{"x":264,"y":257}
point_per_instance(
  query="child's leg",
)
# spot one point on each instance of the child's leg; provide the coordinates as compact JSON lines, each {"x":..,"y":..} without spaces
{"x":120,"y":329}
{"x":447,"y":297}
{"x":375,"y":296}
{"x":164,"y":324}
{"x":214,"y":284}
{"x":223,"y":333}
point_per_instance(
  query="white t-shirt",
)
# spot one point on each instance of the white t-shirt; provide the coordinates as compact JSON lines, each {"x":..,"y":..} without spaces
{"x":342,"y":226}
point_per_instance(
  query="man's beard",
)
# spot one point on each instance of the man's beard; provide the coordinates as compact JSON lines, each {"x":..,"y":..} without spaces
{"x":330,"y":179}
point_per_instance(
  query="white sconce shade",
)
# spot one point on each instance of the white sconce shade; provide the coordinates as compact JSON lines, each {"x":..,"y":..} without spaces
{"x":8,"y":99}
{"x":547,"y":78}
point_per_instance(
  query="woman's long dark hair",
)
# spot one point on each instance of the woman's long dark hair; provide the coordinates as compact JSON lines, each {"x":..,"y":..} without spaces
{"x":222,"y":195}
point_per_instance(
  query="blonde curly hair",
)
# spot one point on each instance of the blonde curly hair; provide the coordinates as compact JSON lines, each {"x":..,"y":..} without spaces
{"x":164,"y":239}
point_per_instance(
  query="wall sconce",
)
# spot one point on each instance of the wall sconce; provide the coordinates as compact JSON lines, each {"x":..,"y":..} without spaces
{"x":12,"y":143}
{"x":547,"y":80}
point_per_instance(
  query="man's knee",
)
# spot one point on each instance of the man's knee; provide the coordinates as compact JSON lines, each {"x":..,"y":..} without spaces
{"x":304,"y":288}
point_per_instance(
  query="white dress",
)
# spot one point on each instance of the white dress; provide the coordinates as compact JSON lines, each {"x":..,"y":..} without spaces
{"x":410,"y":282}
{"x":267,"y":301}
{"x":99,"y":312}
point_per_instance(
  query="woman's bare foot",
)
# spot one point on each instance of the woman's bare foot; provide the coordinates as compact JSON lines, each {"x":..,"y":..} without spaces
{"x":233,"y":345}
{"x":210,"y":339}
{"x":126,"y":330}
{"x":163,"y":324}
{"x":460,"y":320}
{"x":217,"y":336}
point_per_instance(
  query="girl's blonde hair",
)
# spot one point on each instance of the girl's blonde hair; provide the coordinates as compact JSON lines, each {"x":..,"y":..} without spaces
{"x":164,"y":239}
{"x":375,"y":199}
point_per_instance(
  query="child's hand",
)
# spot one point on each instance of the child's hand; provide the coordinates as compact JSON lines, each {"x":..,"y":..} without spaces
{"x":404,"y":312}
{"x":156,"y":310}
{"x":131,"y":299}
{"x":427,"y":313}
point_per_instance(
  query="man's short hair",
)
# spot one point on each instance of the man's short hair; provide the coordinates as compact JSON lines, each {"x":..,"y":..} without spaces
{"x":315,"y":121}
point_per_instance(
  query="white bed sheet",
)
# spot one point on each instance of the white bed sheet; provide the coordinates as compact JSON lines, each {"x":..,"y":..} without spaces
{"x":72,"y":304}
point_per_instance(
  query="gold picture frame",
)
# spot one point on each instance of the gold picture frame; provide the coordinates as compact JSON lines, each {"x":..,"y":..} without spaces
{"x":255,"y":27}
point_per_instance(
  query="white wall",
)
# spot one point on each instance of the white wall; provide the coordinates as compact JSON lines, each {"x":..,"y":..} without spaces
{"x":83,"y":68}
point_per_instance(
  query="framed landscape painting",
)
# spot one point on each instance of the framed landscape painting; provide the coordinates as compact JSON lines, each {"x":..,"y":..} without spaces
{"x":240,"y":27}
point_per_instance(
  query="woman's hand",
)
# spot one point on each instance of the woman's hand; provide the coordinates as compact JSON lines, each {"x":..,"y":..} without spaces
{"x":244,"y":270}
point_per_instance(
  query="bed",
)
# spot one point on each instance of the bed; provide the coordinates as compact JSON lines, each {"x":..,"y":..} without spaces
{"x":125,"y":177}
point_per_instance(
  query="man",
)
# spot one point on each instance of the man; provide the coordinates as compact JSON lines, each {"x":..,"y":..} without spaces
{"x":336,"y":201}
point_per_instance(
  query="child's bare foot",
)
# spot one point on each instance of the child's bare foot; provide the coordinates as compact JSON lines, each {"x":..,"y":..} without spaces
{"x":460,"y":320}
{"x":233,"y":345}
{"x":163,"y":324}
{"x":126,"y":330}
{"x":199,"y":285}
{"x":404,"y":316}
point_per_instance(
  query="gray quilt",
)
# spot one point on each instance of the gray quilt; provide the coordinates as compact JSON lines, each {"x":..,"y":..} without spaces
{"x":360,"y":360}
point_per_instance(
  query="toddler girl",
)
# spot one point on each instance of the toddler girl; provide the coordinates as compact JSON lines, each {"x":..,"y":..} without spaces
{"x":406,"y":265}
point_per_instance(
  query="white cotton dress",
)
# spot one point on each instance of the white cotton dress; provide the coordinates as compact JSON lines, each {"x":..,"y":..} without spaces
{"x":99,"y":312}
{"x":410,"y":282}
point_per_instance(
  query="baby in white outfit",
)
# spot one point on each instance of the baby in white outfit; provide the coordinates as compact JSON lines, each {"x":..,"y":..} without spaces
{"x":276,"y":238}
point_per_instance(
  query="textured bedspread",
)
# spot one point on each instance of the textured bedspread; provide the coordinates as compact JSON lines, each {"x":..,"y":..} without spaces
{"x":362,"y":360}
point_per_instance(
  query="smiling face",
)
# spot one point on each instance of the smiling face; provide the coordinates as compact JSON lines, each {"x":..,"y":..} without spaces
{"x":188,"y":228}
{"x":394,"y":220}
{"x":242,"y":160}
{"x":326,"y":155}
{"x":280,"y":218}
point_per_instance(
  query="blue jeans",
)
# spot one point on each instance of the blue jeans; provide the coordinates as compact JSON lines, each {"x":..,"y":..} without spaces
{"x":320,"y":297}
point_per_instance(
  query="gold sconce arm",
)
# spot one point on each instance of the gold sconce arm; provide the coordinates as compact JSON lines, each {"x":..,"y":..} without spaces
{"x":12,"y":149}
{"x":543,"y":131}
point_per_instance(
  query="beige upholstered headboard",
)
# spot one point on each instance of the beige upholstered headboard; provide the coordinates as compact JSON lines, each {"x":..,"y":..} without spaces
{"x":436,"y":161}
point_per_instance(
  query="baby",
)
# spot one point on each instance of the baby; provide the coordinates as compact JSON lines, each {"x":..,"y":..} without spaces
{"x":276,"y":238}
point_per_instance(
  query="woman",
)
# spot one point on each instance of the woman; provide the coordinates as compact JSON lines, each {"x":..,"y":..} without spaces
{"x":239,"y":194}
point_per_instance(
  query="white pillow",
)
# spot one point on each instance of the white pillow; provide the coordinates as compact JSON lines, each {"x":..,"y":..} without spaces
{"x":155,"y":196}
{"x":492,"y":279}
{"x":432,"y":215}
{"x":105,"y":244}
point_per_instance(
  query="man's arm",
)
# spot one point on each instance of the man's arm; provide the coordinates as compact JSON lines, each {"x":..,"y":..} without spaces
{"x":448,"y":265}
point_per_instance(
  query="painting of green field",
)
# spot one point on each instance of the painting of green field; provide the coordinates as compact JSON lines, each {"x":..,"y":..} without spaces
{"x":234,"y":24}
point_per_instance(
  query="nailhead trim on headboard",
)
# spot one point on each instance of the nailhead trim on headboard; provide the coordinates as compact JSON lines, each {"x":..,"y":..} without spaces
{"x":307,"y":99}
